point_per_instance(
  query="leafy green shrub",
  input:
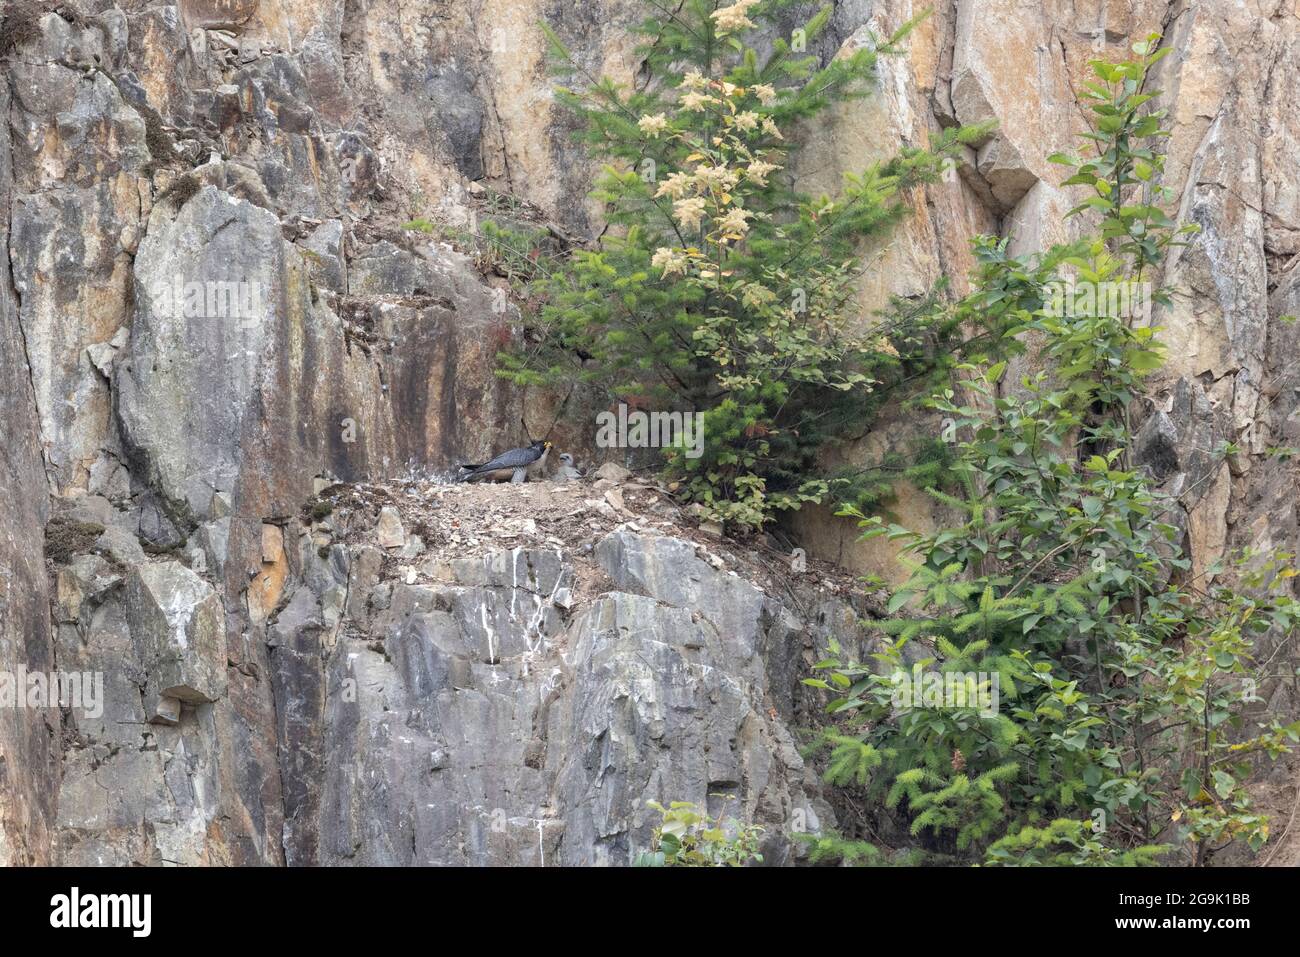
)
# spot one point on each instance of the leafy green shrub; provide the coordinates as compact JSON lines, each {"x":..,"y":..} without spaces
{"x":719,"y":288}
{"x":686,"y":837}
{"x":1127,"y":733}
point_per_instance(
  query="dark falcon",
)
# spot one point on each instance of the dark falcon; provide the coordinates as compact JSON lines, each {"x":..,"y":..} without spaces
{"x":514,"y":465}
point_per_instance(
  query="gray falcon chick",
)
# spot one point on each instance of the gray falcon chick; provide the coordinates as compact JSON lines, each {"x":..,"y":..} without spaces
{"x":515,"y":464}
{"x":567,"y":471}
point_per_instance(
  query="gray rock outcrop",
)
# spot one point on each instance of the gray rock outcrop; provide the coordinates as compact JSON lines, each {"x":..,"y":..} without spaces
{"x":487,"y":718}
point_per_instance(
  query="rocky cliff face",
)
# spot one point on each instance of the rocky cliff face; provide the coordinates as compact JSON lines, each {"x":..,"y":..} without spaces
{"x":29,"y":741}
{"x":209,"y":315}
{"x":434,"y":674}
{"x":506,"y":676}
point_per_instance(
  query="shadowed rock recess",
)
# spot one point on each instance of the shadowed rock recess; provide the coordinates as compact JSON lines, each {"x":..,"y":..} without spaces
{"x":228,"y":374}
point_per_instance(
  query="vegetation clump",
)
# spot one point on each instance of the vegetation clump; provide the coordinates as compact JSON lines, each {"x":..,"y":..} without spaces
{"x":720,"y":289}
{"x":65,"y":539}
{"x":1130,"y":722}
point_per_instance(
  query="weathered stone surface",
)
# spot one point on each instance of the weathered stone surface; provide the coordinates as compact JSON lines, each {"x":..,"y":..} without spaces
{"x":489,"y":720}
{"x":208,"y":286}
{"x":297,"y":673}
{"x":612,"y":472}
{"x":326,"y":257}
{"x":80,"y":149}
{"x":1000,"y":48}
{"x":389,"y":532}
{"x":179,"y":631}
{"x":218,"y":13}
{"x":166,"y":711}
{"x":29,"y":746}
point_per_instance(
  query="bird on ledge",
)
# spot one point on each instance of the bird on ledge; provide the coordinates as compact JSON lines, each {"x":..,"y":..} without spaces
{"x":517,"y":465}
{"x":568,"y":470}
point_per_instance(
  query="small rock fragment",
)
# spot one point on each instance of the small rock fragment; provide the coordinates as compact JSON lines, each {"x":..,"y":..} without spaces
{"x":389,"y":531}
{"x":613,"y":472}
{"x":166,"y":711}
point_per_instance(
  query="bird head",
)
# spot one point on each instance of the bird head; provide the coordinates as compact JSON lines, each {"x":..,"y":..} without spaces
{"x":566,"y":458}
